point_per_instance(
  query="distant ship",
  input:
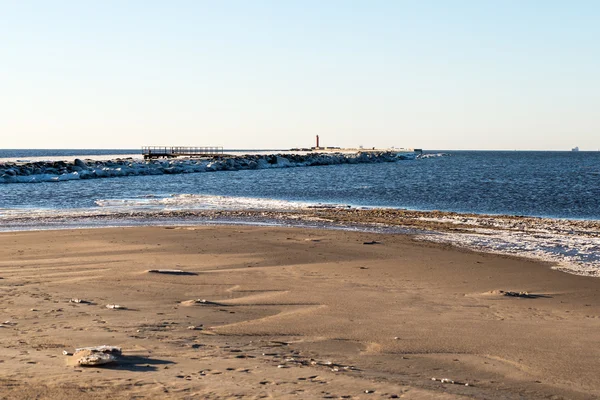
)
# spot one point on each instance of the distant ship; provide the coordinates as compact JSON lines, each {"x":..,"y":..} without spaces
{"x":575,"y":148}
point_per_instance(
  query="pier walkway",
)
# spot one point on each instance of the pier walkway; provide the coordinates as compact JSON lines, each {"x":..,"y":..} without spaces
{"x":150,"y":152}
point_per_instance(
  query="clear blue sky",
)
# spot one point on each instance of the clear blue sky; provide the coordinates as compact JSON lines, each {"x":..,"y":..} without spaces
{"x":272,"y":74}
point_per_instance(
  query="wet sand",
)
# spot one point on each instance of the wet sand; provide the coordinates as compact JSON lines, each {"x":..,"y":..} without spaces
{"x":289,"y":313}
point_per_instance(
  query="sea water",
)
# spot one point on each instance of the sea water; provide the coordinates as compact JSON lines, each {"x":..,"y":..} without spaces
{"x":545,"y":184}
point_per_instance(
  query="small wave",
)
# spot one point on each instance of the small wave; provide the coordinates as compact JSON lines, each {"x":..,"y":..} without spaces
{"x":201,"y":202}
{"x":432,"y":155}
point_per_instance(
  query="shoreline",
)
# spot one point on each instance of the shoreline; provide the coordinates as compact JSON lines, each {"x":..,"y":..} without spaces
{"x":289,"y":312}
{"x":572,"y":245}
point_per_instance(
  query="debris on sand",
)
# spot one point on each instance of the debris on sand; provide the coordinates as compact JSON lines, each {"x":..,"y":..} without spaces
{"x":115,"y":307}
{"x":101,"y":349}
{"x":96,"y":359}
{"x":170,"y":272}
{"x":96,"y":355}
{"x":518,"y":294}
{"x":79,"y":301}
{"x":195,"y":328}
{"x":372,"y":242}
{"x":201,"y":302}
{"x":450,"y":381}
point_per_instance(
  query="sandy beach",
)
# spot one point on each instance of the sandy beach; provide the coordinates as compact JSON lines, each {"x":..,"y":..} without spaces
{"x":288,"y":313}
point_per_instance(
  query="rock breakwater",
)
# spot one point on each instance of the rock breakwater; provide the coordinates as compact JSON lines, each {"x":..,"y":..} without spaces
{"x":57,"y":171}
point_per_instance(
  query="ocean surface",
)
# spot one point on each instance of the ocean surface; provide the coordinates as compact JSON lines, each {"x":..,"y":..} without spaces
{"x":557,"y":186}
{"x":62,"y":154}
{"x":544,"y":184}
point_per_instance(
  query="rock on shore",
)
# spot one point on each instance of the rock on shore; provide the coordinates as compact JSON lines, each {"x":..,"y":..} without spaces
{"x":57,"y":171}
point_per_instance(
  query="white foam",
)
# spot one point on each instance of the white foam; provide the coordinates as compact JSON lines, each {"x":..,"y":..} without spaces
{"x":200,"y":202}
{"x":432,"y":155}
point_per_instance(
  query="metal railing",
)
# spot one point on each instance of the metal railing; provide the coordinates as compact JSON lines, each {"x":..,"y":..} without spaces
{"x":176,"y":151}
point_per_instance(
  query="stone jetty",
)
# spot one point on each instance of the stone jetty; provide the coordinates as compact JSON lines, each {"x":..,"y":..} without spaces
{"x":57,"y":171}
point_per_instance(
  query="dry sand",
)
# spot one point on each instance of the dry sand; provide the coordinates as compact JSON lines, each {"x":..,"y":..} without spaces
{"x":289,"y":313}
